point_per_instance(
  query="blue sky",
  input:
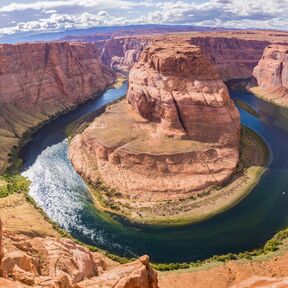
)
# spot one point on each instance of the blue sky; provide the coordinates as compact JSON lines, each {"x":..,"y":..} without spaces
{"x":57,"y":15}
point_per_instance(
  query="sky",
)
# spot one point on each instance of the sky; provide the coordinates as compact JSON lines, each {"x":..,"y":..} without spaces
{"x":58,"y":15}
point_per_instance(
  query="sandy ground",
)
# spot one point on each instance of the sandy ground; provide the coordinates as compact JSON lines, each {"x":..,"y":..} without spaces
{"x":21,"y":217}
{"x":226,"y":275}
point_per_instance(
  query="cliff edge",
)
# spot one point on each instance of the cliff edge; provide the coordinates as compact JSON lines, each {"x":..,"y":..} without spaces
{"x":272,"y":75}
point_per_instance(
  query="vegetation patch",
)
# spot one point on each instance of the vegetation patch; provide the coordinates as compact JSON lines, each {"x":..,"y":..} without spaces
{"x":10,"y":184}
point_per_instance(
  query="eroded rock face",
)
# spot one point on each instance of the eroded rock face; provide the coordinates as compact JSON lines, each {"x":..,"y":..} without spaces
{"x":272,"y":74}
{"x":233,"y":58}
{"x":122,"y":53}
{"x":40,"y":80}
{"x":36,"y":260}
{"x":178,"y":135}
{"x":61,"y":263}
{"x":137,"y":274}
{"x":175,"y":86}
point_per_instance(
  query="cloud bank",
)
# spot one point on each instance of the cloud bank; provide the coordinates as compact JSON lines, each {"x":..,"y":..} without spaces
{"x":57,"y":15}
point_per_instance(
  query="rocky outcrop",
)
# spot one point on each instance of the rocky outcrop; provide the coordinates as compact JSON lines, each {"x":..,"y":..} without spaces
{"x":61,"y":263}
{"x":40,"y":80}
{"x":178,"y":135}
{"x":272,"y":75}
{"x":122,"y":53}
{"x":137,"y":274}
{"x":175,"y":86}
{"x":233,"y":58}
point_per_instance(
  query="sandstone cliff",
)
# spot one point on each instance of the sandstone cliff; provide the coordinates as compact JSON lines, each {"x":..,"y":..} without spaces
{"x":178,"y":136}
{"x":61,"y":263}
{"x":272,"y":75}
{"x":40,"y":80}
{"x":233,"y":58}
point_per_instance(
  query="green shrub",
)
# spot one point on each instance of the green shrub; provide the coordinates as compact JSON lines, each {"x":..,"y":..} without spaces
{"x":4,"y":192}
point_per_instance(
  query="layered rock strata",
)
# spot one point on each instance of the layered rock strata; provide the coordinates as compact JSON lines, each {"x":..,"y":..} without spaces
{"x":40,"y":80}
{"x":122,"y":53}
{"x":176,"y":134}
{"x":61,"y":263}
{"x":233,"y":58}
{"x":272,"y":75}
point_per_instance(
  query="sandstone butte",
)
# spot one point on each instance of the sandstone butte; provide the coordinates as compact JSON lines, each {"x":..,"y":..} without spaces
{"x":40,"y":80}
{"x":272,"y":75}
{"x":176,"y":134}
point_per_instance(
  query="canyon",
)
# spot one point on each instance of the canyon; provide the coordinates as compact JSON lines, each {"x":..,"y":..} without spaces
{"x":41,"y":80}
{"x":233,"y":53}
{"x":60,"y":75}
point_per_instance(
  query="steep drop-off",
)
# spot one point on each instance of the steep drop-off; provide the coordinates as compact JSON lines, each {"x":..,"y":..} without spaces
{"x":178,"y":135}
{"x":122,"y":53}
{"x":40,"y":80}
{"x":272,"y":75}
{"x":233,"y":58}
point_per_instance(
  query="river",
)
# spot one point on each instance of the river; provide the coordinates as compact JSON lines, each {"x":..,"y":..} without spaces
{"x":60,"y":191}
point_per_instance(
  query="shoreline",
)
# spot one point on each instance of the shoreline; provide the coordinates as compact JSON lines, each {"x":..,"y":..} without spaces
{"x":236,"y":189}
{"x":13,"y":164}
{"x":262,"y":94}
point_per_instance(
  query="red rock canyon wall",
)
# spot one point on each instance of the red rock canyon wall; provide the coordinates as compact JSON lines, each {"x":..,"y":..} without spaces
{"x":40,"y":80}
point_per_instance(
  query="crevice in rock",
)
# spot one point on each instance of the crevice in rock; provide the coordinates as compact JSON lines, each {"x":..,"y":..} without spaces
{"x":181,"y":120}
{"x":46,"y":60}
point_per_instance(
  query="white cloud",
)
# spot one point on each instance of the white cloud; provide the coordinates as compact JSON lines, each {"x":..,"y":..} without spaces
{"x":58,"y":22}
{"x":225,"y":13}
{"x":222,"y":12}
{"x":49,"y":11}
{"x":46,"y":5}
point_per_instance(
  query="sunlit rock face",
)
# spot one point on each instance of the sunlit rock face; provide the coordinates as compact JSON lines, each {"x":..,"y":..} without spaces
{"x":61,"y":263}
{"x":272,"y":74}
{"x":177,"y":133}
{"x":175,"y":86}
{"x":39,"y":80}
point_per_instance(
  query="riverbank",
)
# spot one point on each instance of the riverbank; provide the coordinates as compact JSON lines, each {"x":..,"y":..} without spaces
{"x":254,"y":156}
{"x":12,"y":146}
{"x":269,"y":97}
